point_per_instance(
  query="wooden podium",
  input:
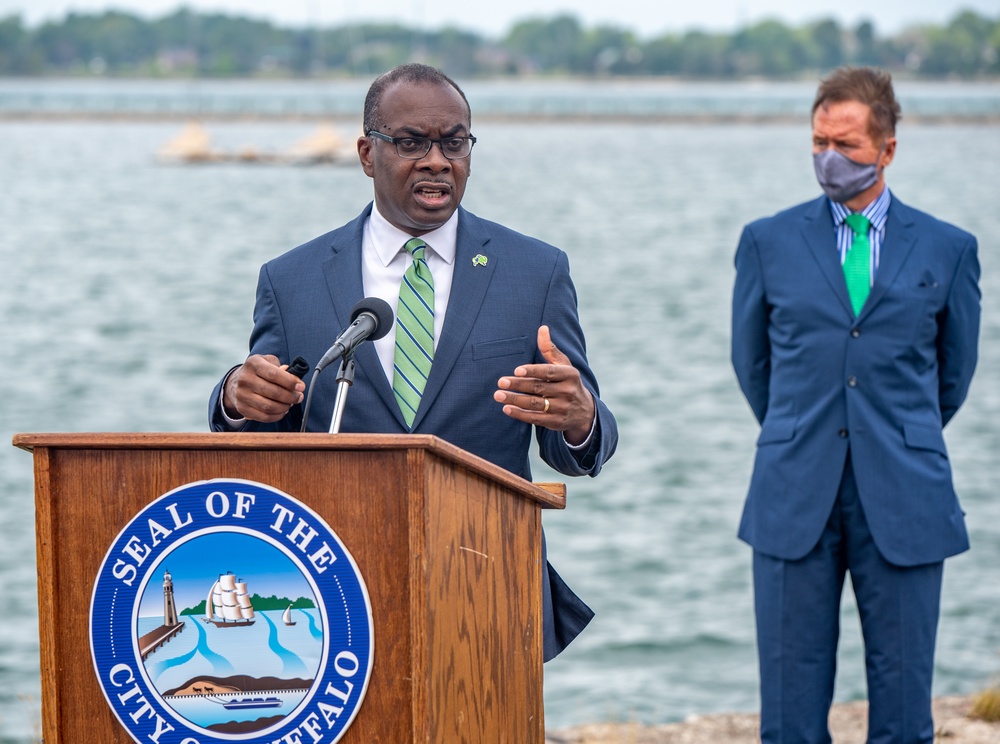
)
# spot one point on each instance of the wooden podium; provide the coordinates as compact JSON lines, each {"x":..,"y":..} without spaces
{"x":449,"y":546}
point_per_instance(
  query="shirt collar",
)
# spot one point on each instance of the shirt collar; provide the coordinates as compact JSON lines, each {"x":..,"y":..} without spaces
{"x":388,"y":240}
{"x":876,"y":212}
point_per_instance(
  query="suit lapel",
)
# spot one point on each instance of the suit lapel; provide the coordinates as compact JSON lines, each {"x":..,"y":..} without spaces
{"x":900,"y":239}
{"x":344,"y":280}
{"x":468,"y":290}
{"x":821,"y":237}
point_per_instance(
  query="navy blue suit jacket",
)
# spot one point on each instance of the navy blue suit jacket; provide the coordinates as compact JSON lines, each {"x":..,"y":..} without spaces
{"x":883,"y":384}
{"x":304,"y":300}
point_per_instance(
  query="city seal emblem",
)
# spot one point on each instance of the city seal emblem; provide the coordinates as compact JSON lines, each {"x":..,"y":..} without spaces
{"x":228,"y":611}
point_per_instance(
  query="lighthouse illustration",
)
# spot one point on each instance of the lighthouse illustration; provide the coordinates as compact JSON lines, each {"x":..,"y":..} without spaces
{"x":172,"y":625}
{"x":169,"y":608}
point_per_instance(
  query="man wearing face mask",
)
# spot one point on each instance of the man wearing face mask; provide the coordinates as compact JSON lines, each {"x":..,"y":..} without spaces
{"x":855,"y":331}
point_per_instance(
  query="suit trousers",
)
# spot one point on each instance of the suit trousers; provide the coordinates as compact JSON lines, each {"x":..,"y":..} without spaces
{"x":797,"y":607}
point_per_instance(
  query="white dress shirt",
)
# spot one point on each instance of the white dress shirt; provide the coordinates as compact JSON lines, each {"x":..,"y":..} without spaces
{"x":384,"y":261}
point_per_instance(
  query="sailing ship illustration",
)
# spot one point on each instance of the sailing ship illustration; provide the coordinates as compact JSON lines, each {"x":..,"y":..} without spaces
{"x":228,"y":604}
{"x":286,"y":616}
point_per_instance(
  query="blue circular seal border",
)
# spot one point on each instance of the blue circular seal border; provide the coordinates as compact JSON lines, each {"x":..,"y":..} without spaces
{"x":259,"y":510}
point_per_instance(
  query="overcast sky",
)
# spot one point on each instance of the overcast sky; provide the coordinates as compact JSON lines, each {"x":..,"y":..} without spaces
{"x":493,"y":17}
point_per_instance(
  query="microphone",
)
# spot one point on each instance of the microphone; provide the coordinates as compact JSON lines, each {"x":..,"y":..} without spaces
{"x":298,"y":367}
{"x":371,"y":318}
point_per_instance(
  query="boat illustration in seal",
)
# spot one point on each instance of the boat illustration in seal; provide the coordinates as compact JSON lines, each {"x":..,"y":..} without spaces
{"x":228,"y":604}
{"x":234,"y":704}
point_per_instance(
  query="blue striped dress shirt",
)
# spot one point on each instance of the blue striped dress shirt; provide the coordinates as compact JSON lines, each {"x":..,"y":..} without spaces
{"x":876,"y":212}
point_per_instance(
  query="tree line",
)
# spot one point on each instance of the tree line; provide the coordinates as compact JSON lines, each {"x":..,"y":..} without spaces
{"x":189,"y":44}
{"x":260,"y":604}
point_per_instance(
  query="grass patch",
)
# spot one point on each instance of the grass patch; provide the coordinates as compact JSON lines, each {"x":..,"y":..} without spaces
{"x":986,"y":705}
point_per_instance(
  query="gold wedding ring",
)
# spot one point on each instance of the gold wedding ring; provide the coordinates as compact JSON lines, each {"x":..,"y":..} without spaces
{"x":546,"y":409}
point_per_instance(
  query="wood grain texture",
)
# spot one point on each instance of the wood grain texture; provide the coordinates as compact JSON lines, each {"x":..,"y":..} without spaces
{"x":457,"y":643}
{"x":547,"y":499}
{"x":484,"y":617}
{"x":45,"y":554}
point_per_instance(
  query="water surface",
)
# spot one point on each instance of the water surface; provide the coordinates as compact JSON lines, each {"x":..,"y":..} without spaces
{"x":129,"y":287}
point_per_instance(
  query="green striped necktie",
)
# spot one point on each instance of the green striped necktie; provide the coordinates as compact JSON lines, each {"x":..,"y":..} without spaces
{"x":414,"y":332}
{"x":857,"y":262}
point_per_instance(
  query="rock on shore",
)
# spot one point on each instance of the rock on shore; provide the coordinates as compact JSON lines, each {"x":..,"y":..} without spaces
{"x":848,"y":724}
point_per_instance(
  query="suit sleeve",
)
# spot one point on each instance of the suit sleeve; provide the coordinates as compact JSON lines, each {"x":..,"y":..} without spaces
{"x":751,"y":347}
{"x":268,"y":337}
{"x":958,"y":336}
{"x":560,"y":314}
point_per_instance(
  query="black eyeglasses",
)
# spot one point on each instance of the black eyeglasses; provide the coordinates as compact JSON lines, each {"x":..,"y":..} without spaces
{"x":415,"y":148}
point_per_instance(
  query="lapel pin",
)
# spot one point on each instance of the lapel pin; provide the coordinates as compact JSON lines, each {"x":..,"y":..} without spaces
{"x":479,"y":260}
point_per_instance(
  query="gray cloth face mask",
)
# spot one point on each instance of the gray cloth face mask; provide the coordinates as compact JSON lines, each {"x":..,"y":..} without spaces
{"x":842,"y":178}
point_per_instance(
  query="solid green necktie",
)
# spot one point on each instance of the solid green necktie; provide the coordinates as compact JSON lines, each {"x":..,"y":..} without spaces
{"x":857,"y":262}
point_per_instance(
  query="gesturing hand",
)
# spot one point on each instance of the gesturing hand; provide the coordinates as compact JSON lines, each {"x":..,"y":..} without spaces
{"x":550,"y":395}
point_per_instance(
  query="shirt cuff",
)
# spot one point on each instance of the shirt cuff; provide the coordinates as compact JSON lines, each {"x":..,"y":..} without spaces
{"x":236,"y":424}
{"x":573,"y":447}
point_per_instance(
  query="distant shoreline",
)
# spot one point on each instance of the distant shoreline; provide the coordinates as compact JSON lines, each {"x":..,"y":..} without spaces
{"x":487,"y":117}
{"x":533,"y":101}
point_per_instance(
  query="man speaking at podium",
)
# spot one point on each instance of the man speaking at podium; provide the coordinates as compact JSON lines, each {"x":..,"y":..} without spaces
{"x":487,"y":343}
